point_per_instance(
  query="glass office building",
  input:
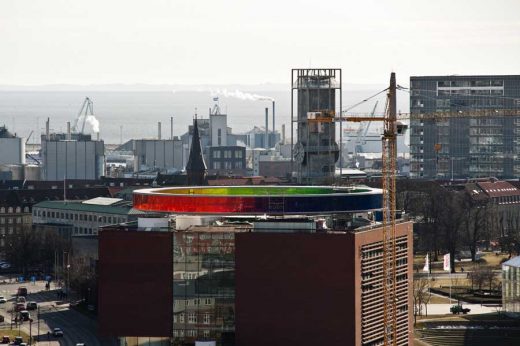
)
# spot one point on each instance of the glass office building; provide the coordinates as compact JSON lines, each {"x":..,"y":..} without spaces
{"x":464,"y":147}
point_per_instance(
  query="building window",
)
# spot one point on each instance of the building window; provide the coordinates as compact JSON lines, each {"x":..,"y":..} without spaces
{"x":238,"y":154}
{"x":181,"y":318}
{"x":227,"y":154}
{"x":219,"y":137}
{"x":207,"y":301}
{"x":207,"y":318}
{"x":216,"y":165}
{"x":216,"y":154}
{"x":227,"y":165}
{"x":206,"y":333}
{"x":192,"y":317}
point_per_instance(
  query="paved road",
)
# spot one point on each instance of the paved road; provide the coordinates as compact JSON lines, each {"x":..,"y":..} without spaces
{"x":442,"y":309}
{"x":52,"y":313}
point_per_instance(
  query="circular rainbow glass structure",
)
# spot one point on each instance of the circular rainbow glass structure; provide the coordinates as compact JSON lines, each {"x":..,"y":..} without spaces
{"x":258,"y":200}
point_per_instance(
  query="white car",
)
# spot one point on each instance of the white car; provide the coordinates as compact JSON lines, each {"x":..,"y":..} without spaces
{"x":3,"y":300}
{"x":57,"y":332}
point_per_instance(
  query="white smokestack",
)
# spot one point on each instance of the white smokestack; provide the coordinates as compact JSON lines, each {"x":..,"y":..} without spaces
{"x":266,"y":128}
{"x":68,"y":131}
{"x":159,"y":130}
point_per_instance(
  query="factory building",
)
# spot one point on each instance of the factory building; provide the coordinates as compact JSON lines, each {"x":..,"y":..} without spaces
{"x":464,"y":147}
{"x":72,"y":156}
{"x":158,"y":154}
{"x":225,"y":160}
{"x":256,"y":138}
{"x":12,"y":148}
{"x":318,"y":100}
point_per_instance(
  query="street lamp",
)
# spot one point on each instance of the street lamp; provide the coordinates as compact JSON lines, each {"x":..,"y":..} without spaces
{"x":38,"y":311}
{"x":30,"y":331}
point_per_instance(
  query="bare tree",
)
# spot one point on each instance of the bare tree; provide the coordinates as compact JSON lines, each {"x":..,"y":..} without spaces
{"x":421,"y":296}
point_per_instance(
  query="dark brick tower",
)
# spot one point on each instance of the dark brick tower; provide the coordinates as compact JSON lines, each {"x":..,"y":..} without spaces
{"x":196,"y":168}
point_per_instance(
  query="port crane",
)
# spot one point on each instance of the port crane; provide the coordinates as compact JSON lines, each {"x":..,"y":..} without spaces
{"x":87,"y":108}
{"x":362,"y":133}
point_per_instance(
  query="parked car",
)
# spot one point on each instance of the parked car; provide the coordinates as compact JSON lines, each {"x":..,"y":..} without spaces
{"x":18,"y":340}
{"x":20,"y":299}
{"x":22,"y":291}
{"x":457,"y":309}
{"x":3,"y":300}
{"x":19,"y":307}
{"x":6,"y":339}
{"x":2,"y":318}
{"x":32,"y":306}
{"x":25,"y":315}
{"x":57,"y":332}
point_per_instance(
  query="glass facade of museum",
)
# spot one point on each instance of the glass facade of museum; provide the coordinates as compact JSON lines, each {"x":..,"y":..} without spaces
{"x":204,"y":286}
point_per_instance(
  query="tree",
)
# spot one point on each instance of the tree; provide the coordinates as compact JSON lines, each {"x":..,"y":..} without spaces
{"x":33,"y":249}
{"x":421,"y":295}
{"x":476,"y":221}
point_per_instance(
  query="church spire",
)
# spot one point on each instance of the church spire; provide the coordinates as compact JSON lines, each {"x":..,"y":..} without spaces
{"x":196,"y":168}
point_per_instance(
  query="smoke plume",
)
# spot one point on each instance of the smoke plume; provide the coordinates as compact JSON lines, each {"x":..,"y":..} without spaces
{"x":240,"y":95}
{"x":91,"y":120}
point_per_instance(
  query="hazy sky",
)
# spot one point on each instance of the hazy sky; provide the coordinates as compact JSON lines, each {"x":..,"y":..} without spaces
{"x":249,"y":42}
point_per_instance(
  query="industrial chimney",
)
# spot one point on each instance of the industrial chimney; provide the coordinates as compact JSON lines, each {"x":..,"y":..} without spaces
{"x":159,"y":130}
{"x":68,"y":131}
{"x":266,"y":142}
{"x":273,"y":123}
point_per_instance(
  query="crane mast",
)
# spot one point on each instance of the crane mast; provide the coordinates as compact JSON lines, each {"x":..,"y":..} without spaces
{"x":389,"y":171}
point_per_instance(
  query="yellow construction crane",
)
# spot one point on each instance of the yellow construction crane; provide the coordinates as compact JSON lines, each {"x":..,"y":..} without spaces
{"x":392,"y":128}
